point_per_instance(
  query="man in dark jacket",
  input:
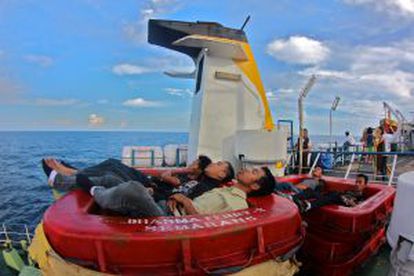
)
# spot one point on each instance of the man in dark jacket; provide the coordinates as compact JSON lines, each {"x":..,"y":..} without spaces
{"x":310,"y":199}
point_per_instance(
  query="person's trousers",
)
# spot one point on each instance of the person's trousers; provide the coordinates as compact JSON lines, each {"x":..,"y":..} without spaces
{"x":108,"y":174}
{"x":317,"y":199}
{"x":129,"y":199}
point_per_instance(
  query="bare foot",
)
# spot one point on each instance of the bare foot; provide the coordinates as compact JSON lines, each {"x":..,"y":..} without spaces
{"x":57,"y":166}
{"x":66,"y":170}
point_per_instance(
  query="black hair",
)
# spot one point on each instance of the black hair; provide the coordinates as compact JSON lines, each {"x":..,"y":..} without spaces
{"x":267,"y":184}
{"x":203,"y":162}
{"x":320,"y":167}
{"x":364,"y":177}
{"x":370,"y":130}
{"x":229,"y":173}
{"x":347,"y":133}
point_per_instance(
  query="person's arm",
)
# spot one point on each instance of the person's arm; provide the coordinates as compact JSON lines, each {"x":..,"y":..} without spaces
{"x":169,"y":178}
{"x":186,"y":203}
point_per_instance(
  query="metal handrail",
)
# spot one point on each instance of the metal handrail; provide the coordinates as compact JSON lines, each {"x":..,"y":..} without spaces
{"x":354,"y":154}
{"x":366,"y":153}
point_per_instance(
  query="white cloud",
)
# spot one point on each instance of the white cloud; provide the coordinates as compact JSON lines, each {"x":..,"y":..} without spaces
{"x":40,"y":60}
{"x":401,"y":7}
{"x":363,"y":76}
{"x":140,"y":102}
{"x":179,"y":92}
{"x":96,"y":120}
{"x":55,"y":102}
{"x":129,"y":69}
{"x":298,"y":49}
{"x":376,"y":69}
{"x":137,"y":31}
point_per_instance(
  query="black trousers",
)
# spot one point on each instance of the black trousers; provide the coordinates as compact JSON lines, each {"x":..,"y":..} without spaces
{"x":318,"y":199}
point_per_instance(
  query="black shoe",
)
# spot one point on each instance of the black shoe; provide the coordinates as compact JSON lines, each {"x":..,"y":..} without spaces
{"x":303,"y":205}
{"x":46,"y":168}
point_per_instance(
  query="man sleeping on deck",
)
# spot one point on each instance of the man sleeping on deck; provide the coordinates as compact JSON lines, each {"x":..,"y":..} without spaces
{"x":132,"y":197}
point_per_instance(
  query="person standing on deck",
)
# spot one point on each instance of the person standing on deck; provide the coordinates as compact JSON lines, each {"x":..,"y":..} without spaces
{"x":349,"y":141}
{"x":380,"y":147}
{"x":369,"y":144}
{"x":307,"y":147}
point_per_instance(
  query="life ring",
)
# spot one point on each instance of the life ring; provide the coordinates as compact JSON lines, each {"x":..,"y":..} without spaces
{"x":271,"y":228}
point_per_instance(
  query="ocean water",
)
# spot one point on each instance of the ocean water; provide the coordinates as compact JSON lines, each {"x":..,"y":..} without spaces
{"x":25,"y":194}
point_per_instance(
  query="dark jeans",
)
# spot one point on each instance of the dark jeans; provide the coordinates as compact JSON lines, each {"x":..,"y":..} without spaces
{"x":286,"y":186}
{"x":317,"y":199}
{"x":120,"y":188}
{"x":109,"y":173}
{"x":382,"y":166}
{"x":129,"y":199}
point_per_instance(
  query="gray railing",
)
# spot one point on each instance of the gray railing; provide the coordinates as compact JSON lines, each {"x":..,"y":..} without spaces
{"x":348,"y":158}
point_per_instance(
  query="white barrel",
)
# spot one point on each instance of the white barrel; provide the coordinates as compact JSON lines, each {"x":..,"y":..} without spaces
{"x":402,"y":259}
{"x":175,"y":155}
{"x":402,"y":220}
{"x":143,"y":156}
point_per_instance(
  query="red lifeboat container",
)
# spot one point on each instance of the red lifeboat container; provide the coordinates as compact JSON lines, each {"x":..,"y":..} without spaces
{"x":340,"y":238}
{"x":272,"y":227}
{"x":371,"y":213}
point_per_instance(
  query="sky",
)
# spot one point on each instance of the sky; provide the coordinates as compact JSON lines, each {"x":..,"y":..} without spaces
{"x":86,"y":65}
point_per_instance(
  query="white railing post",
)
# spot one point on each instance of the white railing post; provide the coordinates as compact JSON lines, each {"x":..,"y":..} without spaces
{"x":314,"y":163}
{"x":394,"y":164}
{"x":350,"y":166}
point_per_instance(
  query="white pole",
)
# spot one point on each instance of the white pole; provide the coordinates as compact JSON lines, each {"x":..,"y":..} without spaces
{"x":300,"y":107}
{"x":348,"y":171}
{"x":330,"y":129}
{"x":394,"y":164}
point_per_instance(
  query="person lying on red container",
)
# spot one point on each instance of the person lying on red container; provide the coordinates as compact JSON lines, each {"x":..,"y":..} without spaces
{"x":316,"y":182}
{"x":132,"y":198}
{"x":111,"y":172}
{"x":248,"y":182}
{"x":310,"y":199}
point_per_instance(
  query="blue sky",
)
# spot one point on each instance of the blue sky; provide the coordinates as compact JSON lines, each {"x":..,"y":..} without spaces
{"x":85,"y":64}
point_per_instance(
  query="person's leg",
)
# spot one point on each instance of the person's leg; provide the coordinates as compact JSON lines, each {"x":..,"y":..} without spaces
{"x":326,"y":199}
{"x":117,"y":168}
{"x":384,"y":168}
{"x":286,"y":186}
{"x":60,"y":166}
{"x":107,"y":180}
{"x":305,"y":205}
{"x":306,"y":194}
{"x":129,"y":198}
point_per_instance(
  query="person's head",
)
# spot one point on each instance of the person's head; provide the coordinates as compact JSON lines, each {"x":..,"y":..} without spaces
{"x":370,"y":130}
{"x":317,"y":172}
{"x":305,"y":132}
{"x":200,"y":164}
{"x":361,"y":182}
{"x":256,"y":181}
{"x":221,"y":170}
{"x":346,"y":133}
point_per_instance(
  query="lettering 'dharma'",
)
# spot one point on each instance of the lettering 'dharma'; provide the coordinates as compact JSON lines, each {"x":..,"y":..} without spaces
{"x":199,"y":225}
{"x":213,"y":219}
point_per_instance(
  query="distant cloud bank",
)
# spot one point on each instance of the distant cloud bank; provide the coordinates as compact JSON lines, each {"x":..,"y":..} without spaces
{"x":140,"y":102}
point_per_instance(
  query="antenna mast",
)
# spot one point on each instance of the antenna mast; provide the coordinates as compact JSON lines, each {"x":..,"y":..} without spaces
{"x":245,"y":22}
